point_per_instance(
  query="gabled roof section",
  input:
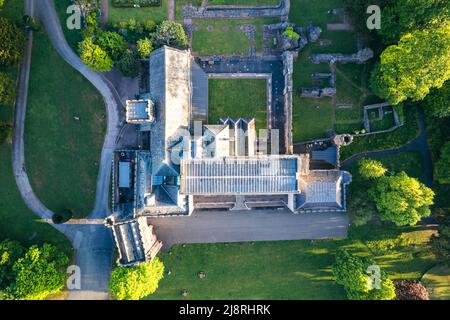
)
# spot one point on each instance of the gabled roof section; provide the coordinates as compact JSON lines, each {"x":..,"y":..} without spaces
{"x":170,"y":89}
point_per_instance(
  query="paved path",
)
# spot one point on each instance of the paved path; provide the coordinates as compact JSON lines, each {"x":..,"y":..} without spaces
{"x":93,"y":243}
{"x":254,"y":225}
{"x":420,"y":143}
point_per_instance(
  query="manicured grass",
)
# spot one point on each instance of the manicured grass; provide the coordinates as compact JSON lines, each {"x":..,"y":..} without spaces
{"x":238,"y":98}
{"x":62,"y":153}
{"x":312,"y":118}
{"x":17,"y":222}
{"x":285,"y":269}
{"x":226,"y":37}
{"x":437,"y":281}
{"x":156,"y":14}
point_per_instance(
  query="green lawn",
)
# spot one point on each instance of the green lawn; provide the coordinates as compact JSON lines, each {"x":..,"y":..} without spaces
{"x":226,"y":37}
{"x":238,"y":98}
{"x":285,"y":269}
{"x":62,"y":153}
{"x":437,"y":281}
{"x":17,"y":222}
{"x":156,"y":14}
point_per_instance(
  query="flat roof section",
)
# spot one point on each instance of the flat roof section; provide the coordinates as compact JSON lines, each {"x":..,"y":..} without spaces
{"x":240,"y":175}
{"x":124,"y":174}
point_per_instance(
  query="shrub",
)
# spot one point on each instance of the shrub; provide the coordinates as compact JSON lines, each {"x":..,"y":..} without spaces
{"x":94,"y":57}
{"x":12,"y":42}
{"x":113,"y":43}
{"x":7,"y":89}
{"x":170,"y":33}
{"x":290,"y":33}
{"x":144,"y":47}
{"x":129,"y":65}
{"x":136,"y":282}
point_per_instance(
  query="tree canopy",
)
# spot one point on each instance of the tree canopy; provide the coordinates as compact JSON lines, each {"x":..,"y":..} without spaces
{"x":136,"y":282}
{"x":10,"y":252}
{"x":40,"y":272}
{"x":93,"y":56}
{"x":353,"y":273}
{"x":404,"y":16}
{"x":370,"y":168}
{"x":170,"y":33}
{"x":437,"y":103}
{"x":12,"y":42}
{"x":442,"y":166}
{"x":401,"y":199}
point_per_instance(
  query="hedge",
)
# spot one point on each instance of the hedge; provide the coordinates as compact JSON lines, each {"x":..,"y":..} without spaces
{"x":132,"y":3}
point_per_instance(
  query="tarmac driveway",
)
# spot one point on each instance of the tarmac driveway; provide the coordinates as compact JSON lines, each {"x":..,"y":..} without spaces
{"x":255,"y":225}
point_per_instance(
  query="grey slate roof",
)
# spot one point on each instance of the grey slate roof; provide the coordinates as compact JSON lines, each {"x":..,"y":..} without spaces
{"x":170,"y":89}
{"x":329,"y":155}
{"x":240,"y":175}
{"x":321,"y":188}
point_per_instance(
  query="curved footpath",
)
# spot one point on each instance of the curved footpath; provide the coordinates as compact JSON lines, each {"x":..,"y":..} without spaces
{"x":92,"y":242}
{"x":420,"y":143}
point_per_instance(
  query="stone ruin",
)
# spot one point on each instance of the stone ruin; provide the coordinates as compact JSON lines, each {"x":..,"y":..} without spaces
{"x":359,"y":57}
{"x":313,"y":32}
{"x":329,"y":91}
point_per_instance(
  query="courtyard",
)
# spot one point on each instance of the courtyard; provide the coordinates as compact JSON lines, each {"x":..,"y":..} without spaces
{"x":238,"y":98}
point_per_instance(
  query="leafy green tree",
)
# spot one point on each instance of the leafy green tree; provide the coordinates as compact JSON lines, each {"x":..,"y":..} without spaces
{"x":170,"y":33}
{"x":419,"y":63}
{"x":12,"y":42}
{"x":405,"y":16}
{"x":40,"y":272}
{"x":136,"y":282}
{"x":113,"y":43}
{"x":7,"y":88}
{"x":2,"y":2}
{"x":437,"y":103}
{"x":144,"y":47}
{"x":94,"y":57}
{"x":91,"y":26}
{"x":370,"y":168}
{"x":10,"y":252}
{"x":290,"y":33}
{"x":442,"y":167}
{"x":129,"y":64}
{"x":352,"y":272}
{"x":401,"y":199}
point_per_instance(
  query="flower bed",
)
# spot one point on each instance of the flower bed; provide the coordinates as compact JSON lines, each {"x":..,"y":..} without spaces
{"x":136,"y":3}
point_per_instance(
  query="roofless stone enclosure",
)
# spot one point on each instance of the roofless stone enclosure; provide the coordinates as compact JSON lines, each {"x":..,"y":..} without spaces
{"x":190,"y":165}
